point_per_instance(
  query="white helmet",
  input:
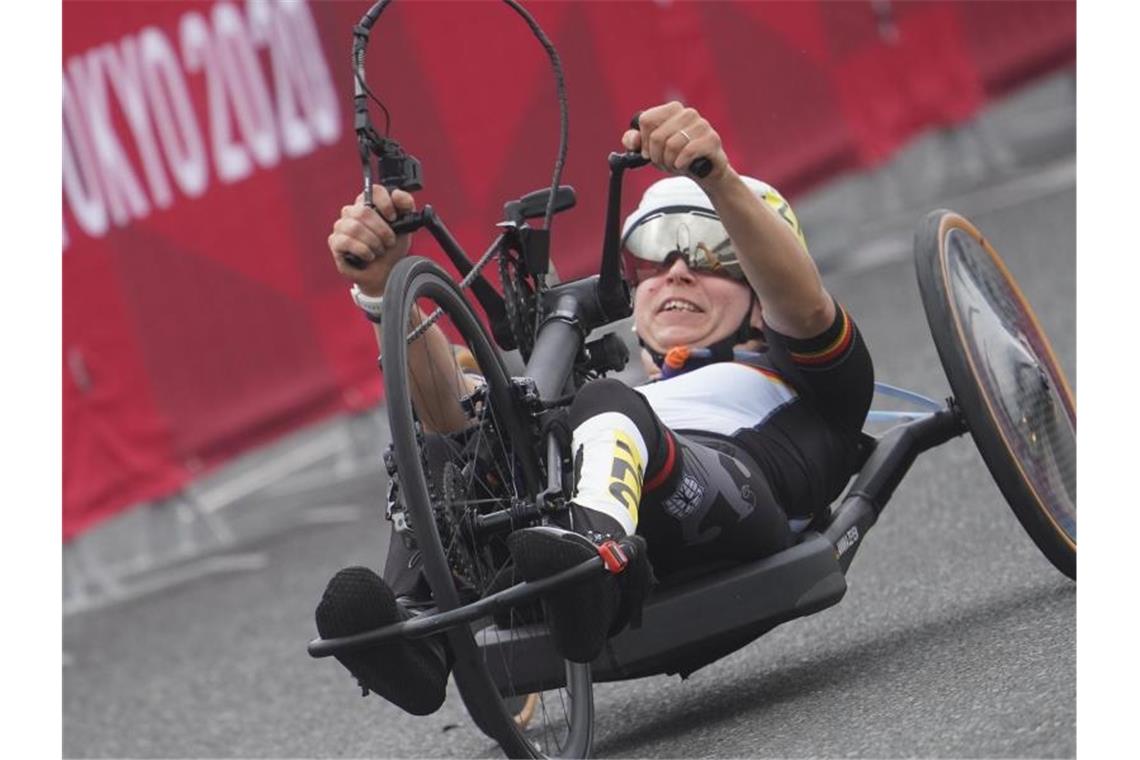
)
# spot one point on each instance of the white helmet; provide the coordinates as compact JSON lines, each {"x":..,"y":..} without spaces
{"x":675,"y":216}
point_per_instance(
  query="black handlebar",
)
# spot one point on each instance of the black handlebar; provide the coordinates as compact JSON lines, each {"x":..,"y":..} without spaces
{"x":611,"y":292}
{"x":700,"y":167}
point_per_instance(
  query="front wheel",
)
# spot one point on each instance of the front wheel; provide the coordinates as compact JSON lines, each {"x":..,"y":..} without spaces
{"x":469,"y":452}
{"x":1014,"y":397}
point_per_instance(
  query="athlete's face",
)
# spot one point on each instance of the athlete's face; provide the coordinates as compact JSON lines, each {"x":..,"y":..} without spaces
{"x":681,"y":307}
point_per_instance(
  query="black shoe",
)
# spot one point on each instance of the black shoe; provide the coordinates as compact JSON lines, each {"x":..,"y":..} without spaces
{"x":410,"y":673}
{"x":583,"y":616}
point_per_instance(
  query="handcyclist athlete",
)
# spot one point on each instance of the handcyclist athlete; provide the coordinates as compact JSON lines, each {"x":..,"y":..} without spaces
{"x":747,"y":431}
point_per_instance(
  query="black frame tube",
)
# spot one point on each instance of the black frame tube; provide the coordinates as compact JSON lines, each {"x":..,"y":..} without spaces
{"x":613,"y":291}
{"x":561,"y":337}
{"x":884,"y":469}
{"x":487,"y":296}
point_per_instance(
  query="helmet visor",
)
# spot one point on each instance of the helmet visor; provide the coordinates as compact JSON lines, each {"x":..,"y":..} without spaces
{"x":694,"y":234}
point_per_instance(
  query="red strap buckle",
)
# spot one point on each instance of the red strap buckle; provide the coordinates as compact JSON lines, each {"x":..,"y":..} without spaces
{"x":613,"y":556}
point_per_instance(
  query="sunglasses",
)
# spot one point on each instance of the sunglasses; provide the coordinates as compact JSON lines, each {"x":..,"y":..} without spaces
{"x":695,"y":235}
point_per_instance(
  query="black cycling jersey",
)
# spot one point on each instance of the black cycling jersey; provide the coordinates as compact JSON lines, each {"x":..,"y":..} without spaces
{"x":809,"y":448}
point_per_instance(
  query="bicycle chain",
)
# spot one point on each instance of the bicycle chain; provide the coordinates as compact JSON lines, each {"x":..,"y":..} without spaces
{"x":464,"y":283}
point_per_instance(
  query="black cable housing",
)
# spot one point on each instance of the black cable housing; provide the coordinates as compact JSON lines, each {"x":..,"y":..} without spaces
{"x":361,"y":33}
{"x":563,"y":108}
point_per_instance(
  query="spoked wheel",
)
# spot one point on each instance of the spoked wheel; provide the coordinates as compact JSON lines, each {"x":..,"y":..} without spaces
{"x":488,"y":463}
{"x":1013,"y":394}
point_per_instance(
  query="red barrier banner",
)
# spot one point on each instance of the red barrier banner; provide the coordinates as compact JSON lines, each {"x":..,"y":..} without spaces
{"x":209,"y":146}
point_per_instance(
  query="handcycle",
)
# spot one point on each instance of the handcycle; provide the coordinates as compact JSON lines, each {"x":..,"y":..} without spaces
{"x":454,"y":496}
{"x":509,"y":468}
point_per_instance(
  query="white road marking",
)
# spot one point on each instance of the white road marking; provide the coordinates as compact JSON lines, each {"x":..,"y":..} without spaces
{"x":218,"y":496}
{"x":168,"y":578}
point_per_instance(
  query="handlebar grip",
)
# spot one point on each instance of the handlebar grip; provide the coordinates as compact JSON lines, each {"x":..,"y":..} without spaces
{"x":403,"y":224}
{"x":354,"y":261}
{"x":700,"y":167}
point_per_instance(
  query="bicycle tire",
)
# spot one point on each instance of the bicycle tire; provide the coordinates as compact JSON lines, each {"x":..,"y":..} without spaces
{"x":1013,"y":395}
{"x":412,"y":280}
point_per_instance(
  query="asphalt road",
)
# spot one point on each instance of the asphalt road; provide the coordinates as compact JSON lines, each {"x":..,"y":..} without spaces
{"x":956,"y":638}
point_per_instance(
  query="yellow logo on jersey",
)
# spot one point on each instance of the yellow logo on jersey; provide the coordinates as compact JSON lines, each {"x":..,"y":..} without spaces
{"x":626,"y":474}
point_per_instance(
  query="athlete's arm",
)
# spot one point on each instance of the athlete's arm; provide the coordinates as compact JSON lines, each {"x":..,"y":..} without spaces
{"x":779,"y":268}
{"x":833,"y":369}
{"x":437,"y":381}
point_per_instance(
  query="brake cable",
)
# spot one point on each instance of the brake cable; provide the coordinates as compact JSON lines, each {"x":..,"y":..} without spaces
{"x":563,"y":108}
{"x":397,"y":168}
{"x":400,"y":170}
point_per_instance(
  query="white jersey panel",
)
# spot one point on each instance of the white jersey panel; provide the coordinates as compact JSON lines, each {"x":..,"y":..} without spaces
{"x":720,"y":398}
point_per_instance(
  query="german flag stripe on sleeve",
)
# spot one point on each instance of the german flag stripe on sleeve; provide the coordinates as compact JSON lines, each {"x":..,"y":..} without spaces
{"x":834,"y":348}
{"x":771,"y":374}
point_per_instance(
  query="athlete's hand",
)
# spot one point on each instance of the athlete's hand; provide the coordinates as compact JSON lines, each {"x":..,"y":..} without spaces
{"x":367,"y":235}
{"x":661,"y":140}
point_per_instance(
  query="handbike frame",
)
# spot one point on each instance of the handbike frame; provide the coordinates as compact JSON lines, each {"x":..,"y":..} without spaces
{"x":686,"y":623}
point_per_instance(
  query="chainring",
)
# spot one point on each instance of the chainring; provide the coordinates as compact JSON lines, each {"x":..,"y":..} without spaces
{"x":520,"y":301}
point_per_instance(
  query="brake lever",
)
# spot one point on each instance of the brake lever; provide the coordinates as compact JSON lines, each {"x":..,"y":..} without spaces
{"x":398,"y":171}
{"x":700,"y":167}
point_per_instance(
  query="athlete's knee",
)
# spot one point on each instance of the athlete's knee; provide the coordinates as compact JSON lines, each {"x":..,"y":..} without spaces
{"x":598,"y":397}
{"x":608,"y":395}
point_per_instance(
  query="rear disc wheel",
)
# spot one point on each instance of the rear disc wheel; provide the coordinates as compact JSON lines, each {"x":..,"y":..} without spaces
{"x":1014,"y":397}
